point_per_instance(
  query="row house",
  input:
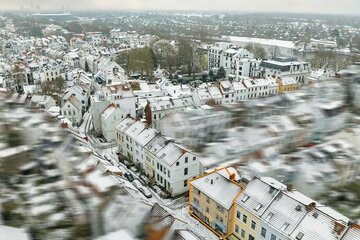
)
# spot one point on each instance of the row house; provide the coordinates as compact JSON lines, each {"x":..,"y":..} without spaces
{"x":258,"y":88}
{"x":264,"y":209}
{"x":165,"y":162}
{"x":212,"y":200}
{"x":158,"y":108}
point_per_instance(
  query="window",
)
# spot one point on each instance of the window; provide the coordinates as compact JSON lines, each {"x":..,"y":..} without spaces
{"x":177,"y":163}
{"x":185,"y":183}
{"x":263,"y":232}
{"x":251,"y":237}
{"x":253,"y":225}
{"x":194,"y":158}
{"x":207,"y":210}
{"x":219,"y":218}
{"x":242,"y":233}
{"x":244,"y":218}
{"x":236,"y":228}
{"x":207,"y":199}
{"x":258,"y":207}
{"x":238,"y":214}
{"x":186,"y":159}
{"x":245,"y":198}
{"x":299,"y":236}
{"x":185,"y":171}
{"x":273,"y":237}
{"x":220,"y":208}
{"x":284,"y":227}
{"x":269,"y":216}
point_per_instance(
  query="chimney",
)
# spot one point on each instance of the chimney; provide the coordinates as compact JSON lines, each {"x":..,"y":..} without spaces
{"x":310,"y":207}
{"x":289,"y":187}
{"x":211,"y":181}
{"x":232,"y":176}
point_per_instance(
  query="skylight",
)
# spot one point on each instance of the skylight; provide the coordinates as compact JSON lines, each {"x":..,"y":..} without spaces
{"x":285,"y":226}
{"x":245,"y":198}
{"x":257,"y":208}
{"x":269,"y":216}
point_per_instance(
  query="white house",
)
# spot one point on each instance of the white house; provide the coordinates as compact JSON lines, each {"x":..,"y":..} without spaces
{"x":72,"y":110}
{"x":109,"y":118}
{"x":157,"y":108}
{"x":73,"y":59}
{"x":167,"y":163}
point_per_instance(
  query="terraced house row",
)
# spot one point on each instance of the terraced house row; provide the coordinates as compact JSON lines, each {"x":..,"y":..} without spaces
{"x":263,"y":209}
{"x":162,"y":160}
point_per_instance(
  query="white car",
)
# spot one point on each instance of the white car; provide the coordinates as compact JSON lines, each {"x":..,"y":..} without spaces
{"x":145,"y":191}
{"x":137,"y":184}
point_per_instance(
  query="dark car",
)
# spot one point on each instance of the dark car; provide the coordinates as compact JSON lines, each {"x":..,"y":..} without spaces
{"x":129,"y":176}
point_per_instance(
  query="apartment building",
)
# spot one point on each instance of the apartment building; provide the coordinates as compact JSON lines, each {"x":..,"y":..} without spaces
{"x":212,"y":200}
{"x":285,"y":66}
{"x":216,"y":54}
{"x":237,"y":62}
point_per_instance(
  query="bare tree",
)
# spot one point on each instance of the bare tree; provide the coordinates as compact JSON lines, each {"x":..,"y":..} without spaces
{"x":258,"y":51}
{"x":329,"y":60}
{"x":274,"y":52}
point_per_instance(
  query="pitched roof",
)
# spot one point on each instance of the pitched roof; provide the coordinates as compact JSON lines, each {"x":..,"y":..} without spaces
{"x":258,"y":194}
{"x":217,"y":186}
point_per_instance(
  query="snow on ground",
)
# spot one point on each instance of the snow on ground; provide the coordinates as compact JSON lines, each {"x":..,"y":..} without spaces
{"x":196,"y":226}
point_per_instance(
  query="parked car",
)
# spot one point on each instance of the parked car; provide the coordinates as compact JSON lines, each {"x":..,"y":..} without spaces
{"x":137,"y":184}
{"x":129,"y":176}
{"x":145,"y":191}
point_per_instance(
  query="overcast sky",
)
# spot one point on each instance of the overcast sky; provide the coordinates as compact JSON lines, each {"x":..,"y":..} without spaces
{"x":306,"y":6}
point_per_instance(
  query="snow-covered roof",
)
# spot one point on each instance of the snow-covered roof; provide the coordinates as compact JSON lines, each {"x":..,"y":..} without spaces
{"x":124,"y":124}
{"x":261,"y":41}
{"x":352,"y":233}
{"x":170,"y":153}
{"x":318,"y":225}
{"x":145,"y":136}
{"x":258,"y":194}
{"x":135,"y":129}
{"x":216,"y":186}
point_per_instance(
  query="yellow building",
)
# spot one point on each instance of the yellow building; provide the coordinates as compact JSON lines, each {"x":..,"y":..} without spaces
{"x":287,"y":84}
{"x":250,"y":205}
{"x":211,"y":200}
